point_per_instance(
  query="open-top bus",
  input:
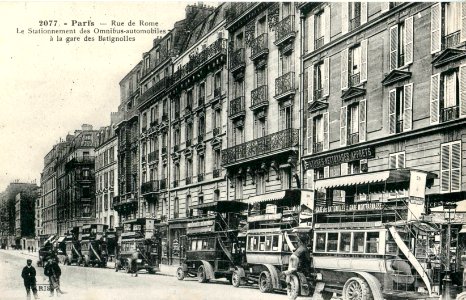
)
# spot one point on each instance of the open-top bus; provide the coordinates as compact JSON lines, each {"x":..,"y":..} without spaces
{"x":139,"y":246}
{"x":212,"y":239}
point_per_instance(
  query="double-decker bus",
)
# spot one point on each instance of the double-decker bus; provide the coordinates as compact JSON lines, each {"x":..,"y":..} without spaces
{"x":93,"y":245}
{"x":73,"y":247}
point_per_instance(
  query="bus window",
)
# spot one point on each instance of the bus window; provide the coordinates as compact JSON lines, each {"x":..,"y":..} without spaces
{"x":345,"y":242}
{"x":193,"y":245}
{"x":199,"y":245}
{"x":372,"y":242}
{"x":204,"y":245}
{"x":262,"y":243}
{"x":275,"y":243}
{"x":320,"y":241}
{"x":211,"y":245}
{"x":250,"y":243}
{"x":332,"y":242}
{"x":268,"y":242}
{"x":358,"y":242}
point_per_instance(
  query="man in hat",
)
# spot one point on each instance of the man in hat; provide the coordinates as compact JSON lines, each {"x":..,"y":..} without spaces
{"x":29,"y":277}
{"x":53,"y":271}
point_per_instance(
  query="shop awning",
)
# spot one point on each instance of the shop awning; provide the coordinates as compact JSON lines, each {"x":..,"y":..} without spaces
{"x":387,"y":176}
{"x":287,"y":197}
{"x":222,"y":206}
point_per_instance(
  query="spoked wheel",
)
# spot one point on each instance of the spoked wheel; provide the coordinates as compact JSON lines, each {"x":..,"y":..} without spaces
{"x":127,"y":266}
{"x":461,"y":296}
{"x":235,"y":279}
{"x":292,"y":288}
{"x":201,"y":276}
{"x":265,"y":282}
{"x":356,"y":288}
{"x":180,"y":273}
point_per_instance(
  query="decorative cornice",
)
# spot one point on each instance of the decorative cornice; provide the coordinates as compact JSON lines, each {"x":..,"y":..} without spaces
{"x":353,"y":92}
{"x":448,"y":55}
{"x":317,"y":105}
{"x":396,"y":76}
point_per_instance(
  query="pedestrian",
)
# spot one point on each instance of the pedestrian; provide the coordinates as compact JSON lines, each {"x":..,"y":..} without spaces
{"x":53,"y":271}
{"x":29,"y":277}
{"x":134,"y":263}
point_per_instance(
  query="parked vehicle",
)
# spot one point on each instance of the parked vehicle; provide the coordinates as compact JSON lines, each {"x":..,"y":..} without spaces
{"x":47,"y":251}
{"x":139,"y":247}
{"x":73,"y":247}
{"x":93,"y":245}
{"x":212,"y":239}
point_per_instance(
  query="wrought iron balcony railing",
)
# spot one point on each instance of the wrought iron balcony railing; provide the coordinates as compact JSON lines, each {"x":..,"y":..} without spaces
{"x":319,"y":43}
{"x":318,"y":94}
{"x":200,"y":138}
{"x":216,"y":131}
{"x":237,"y":106}
{"x":154,"y":123}
{"x":278,"y":141}
{"x":165,"y":117}
{"x":284,"y":29}
{"x":216,"y":173}
{"x":188,"y":180}
{"x":175,"y":183}
{"x":200,"y":177}
{"x":354,"y":79}
{"x":150,"y":187}
{"x":452,"y":39}
{"x":176,"y":148}
{"x":284,"y":84}
{"x":259,"y":97}
{"x":237,"y":9}
{"x":153,"y":156}
{"x":399,"y":126}
{"x":157,"y":88}
{"x":353,"y":138}
{"x":450,"y":113}
{"x":237,"y":59}
{"x":188,"y":143}
{"x":317,"y":147}
{"x":259,"y":46}
{"x":355,"y":22}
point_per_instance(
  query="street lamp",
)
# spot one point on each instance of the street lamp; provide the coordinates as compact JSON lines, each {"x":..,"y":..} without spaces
{"x":449,"y":209}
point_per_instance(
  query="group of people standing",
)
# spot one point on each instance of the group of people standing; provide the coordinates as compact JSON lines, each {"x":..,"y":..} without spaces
{"x":51,"y":270}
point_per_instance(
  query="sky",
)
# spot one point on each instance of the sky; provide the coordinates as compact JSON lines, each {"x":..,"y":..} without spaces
{"x":50,"y":88}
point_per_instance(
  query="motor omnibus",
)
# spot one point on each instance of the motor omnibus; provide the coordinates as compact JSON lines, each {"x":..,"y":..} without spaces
{"x":94,"y":245}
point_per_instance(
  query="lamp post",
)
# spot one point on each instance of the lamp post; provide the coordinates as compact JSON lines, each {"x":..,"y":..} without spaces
{"x":449,"y":209}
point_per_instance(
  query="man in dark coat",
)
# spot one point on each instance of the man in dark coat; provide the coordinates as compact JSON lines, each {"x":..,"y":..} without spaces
{"x":53,"y":271}
{"x":29,"y":277}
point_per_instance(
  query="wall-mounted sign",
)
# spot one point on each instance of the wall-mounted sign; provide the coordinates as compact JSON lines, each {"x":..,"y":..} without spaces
{"x":339,"y":158}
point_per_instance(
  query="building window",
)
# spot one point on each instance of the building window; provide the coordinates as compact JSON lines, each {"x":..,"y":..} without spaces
{"x":260,"y":127}
{"x":189,"y":134}
{"x":401,"y":44}
{"x":239,"y":188}
{"x":200,"y":168}
{"x":106,"y":202}
{"x":201,"y":94}
{"x":112,"y":154}
{"x":400,"y":109}
{"x":147,"y":63}
{"x":216,"y":121}
{"x":177,"y":137}
{"x":353,"y":15}
{"x":218,"y":84}
{"x":285,"y":63}
{"x":286,"y":178}
{"x":201,"y":126}
{"x":217,"y":159}
{"x":176,"y":208}
{"x":318,"y":80}
{"x":450,"y":167}
{"x":189,"y":99}
{"x":445,"y":95}
{"x":238,"y":136}
{"x":260,"y":183}
{"x":189,"y":170}
{"x":188,"y":204}
{"x":286,"y":117}
{"x":446,"y":23}
{"x":396,"y":160}
{"x":355,"y":71}
{"x":353,"y":123}
{"x":318,"y":133}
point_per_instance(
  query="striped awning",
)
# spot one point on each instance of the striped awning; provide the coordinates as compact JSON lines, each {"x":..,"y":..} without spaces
{"x":288,"y":197}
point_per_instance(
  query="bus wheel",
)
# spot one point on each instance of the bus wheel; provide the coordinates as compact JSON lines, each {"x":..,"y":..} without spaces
{"x":265,"y":282}
{"x":201,"y":276}
{"x":461,"y":296}
{"x":180,"y":273}
{"x":235,"y":279}
{"x":128,"y":266}
{"x":356,"y":288}
{"x":86,"y":260}
{"x":292,"y":288}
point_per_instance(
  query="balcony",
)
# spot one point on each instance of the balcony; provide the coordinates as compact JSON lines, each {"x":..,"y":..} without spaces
{"x":153,"y":156}
{"x":273,"y":143}
{"x":150,"y":187}
{"x":355,"y":22}
{"x":259,"y":97}
{"x":354,"y":79}
{"x":284,"y":30}
{"x":237,"y":108}
{"x":189,"y":180}
{"x":176,"y":148}
{"x":318,"y":94}
{"x":216,"y":173}
{"x":163,"y":184}
{"x":125,"y":201}
{"x":284,"y":86}
{"x":317,"y":147}
{"x":164,"y":150}
{"x":259,"y":46}
{"x":236,"y":10}
{"x":189,"y":143}
{"x":450,"y":113}
{"x":319,"y":43}
{"x":200,"y":177}
{"x":452,"y":40}
{"x":237,"y":60}
{"x":175,"y":183}
{"x":353,"y":138}
{"x":200,"y":138}
{"x":154,"y":90}
{"x":216,"y":131}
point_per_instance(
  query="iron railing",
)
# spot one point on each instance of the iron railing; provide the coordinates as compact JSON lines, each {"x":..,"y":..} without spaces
{"x":259,"y":46}
{"x":450,"y":113}
{"x":188,"y":143}
{"x":216,"y":131}
{"x":354,"y":79}
{"x":200,"y":138}
{"x":153,"y":156}
{"x":284,"y":29}
{"x":452,"y":39}
{"x":175,"y":183}
{"x":318,"y":94}
{"x":355,"y":22}
{"x":278,"y":141}
{"x":284,"y":84}
{"x":157,"y":88}
{"x":200,"y":177}
{"x":353,"y":138}
{"x":188,"y":180}
{"x":237,"y":59}
{"x":216,"y":173}
{"x":259,"y":96}
{"x":237,"y":9}
{"x":399,"y":126}
{"x":150,"y":187}
{"x":237,"y":106}
{"x":319,"y":43}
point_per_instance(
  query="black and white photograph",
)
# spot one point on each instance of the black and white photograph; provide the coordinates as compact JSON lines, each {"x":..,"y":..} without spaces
{"x":181,"y":150}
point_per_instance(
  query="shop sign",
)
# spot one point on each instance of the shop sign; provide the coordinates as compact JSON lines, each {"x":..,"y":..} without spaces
{"x":339,"y":158}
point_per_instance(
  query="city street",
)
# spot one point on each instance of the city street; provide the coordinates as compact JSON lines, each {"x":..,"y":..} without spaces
{"x":93,"y":283}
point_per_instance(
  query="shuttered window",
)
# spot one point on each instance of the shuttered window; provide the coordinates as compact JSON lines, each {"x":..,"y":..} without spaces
{"x":450,"y":167}
{"x":396,"y":160}
{"x":448,"y":25}
{"x":400,"y":115}
{"x":401,"y":44}
{"x":354,"y":65}
{"x":353,"y":123}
